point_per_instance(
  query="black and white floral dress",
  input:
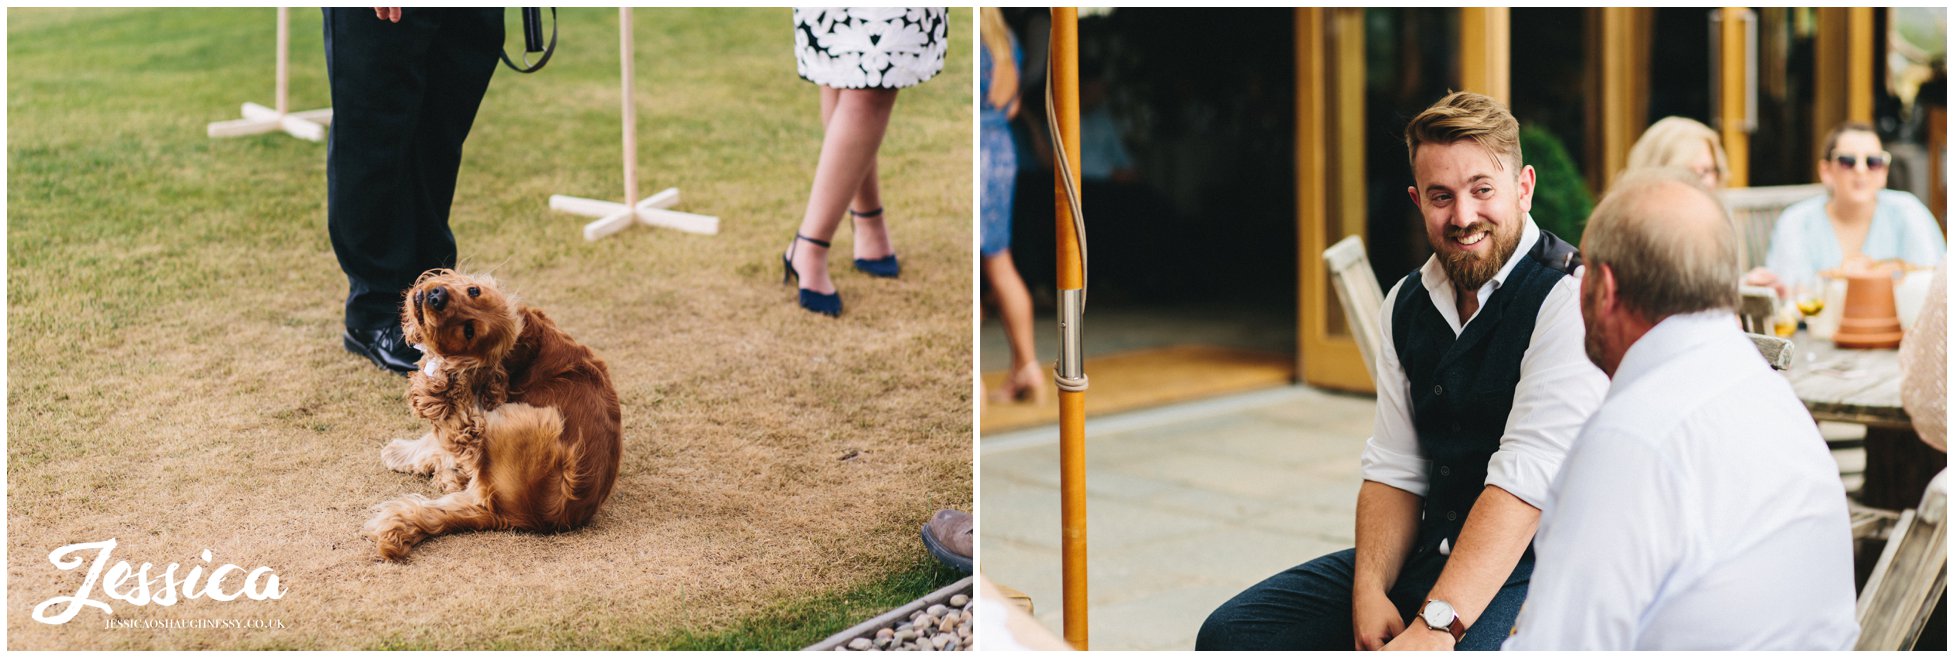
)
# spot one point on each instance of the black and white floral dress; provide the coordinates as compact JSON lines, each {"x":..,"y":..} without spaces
{"x":870,"y":47}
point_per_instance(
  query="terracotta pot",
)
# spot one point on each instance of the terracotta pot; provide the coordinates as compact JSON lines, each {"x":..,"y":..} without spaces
{"x":1871,"y":318}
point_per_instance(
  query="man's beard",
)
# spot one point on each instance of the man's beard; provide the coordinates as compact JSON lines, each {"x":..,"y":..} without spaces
{"x":1468,"y":271}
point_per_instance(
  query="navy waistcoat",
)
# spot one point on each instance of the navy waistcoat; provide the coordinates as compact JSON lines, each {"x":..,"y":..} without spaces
{"x":1461,"y":387}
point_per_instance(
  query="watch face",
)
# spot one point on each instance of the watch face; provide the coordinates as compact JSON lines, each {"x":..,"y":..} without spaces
{"x":1438,"y":614}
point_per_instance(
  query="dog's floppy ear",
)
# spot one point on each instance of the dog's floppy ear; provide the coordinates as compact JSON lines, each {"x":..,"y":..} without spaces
{"x":410,"y":329}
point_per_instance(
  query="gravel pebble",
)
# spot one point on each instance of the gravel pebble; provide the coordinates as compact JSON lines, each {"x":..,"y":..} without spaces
{"x":938,"y":627}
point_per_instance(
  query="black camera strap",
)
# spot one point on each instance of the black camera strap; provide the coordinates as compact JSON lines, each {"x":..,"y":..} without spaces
{"x":532,"y":40}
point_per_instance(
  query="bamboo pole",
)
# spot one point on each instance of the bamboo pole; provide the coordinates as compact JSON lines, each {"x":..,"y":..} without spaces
{"x":630,"y":109}
{"x":284,"y":43}
{"x":1071,"y":277}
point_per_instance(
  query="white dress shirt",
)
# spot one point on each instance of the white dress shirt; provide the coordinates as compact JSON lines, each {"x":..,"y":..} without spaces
{"x":1700,"y":509}
{"x":1558,"y":389}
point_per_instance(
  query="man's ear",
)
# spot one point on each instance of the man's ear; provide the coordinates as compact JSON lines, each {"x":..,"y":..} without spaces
{"x":1607,"y":295}
{"x":1413,"y":191}
{"x":1526,"y":188}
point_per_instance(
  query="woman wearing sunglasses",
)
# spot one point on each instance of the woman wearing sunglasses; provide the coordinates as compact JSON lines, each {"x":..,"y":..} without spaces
{"x":1857,"y":220}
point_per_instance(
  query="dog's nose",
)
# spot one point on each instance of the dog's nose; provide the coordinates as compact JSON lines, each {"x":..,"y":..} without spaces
{"x":437,"y":298}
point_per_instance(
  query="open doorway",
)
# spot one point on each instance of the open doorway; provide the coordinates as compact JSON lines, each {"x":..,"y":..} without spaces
{"x":1188,"y":189}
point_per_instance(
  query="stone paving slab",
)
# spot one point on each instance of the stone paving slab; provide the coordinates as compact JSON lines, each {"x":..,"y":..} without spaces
{"x":1186,"y":506}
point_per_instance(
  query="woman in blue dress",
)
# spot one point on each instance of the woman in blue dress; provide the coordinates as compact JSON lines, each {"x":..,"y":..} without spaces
{"x":1858,"y":220}
{"x":1001,"y":61}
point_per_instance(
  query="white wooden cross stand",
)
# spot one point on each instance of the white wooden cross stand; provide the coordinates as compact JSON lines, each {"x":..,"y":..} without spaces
{"x":654,"y":210}
{"x":307,"y":125}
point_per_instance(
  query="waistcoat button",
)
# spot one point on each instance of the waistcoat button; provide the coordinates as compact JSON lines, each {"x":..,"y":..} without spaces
{"x":1444,"y":470}
{"x":1438,"y":389}
{"x":1451,"y":516}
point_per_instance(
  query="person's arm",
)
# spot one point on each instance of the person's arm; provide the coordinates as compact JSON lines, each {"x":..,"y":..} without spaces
{"x":1923,"y":244}
{"x":1387,"y":504}
{"x":1558,"y":390}
{"x":1494,"y":538}
{"x":1387,"y":524}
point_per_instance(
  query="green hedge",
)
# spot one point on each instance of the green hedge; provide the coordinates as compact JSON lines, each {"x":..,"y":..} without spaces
{"x":1561,"y":202}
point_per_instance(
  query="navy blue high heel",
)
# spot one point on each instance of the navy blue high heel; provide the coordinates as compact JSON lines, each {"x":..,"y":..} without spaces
{"x":886,"y":266}
{"x":828,"y":304}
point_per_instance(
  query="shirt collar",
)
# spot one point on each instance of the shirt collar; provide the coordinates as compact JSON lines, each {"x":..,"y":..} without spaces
{"x":1440,"y":286}
{"x":1670,"y":338}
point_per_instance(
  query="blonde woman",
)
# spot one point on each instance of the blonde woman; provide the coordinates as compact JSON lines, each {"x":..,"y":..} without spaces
{"x":1002,"y":61}
{"x":1681,"y":142}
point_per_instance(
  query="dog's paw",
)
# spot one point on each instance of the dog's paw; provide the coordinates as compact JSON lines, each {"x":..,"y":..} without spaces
{"x":450,"y":479}
{"x":393,"y":536}
{"x":416,"y":456}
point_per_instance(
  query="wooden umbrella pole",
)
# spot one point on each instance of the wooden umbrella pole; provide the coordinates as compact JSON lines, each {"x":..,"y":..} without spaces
{"x":1071,"y":284}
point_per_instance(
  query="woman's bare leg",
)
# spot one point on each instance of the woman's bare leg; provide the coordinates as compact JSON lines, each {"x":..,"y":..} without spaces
{"x":856,"y":121}
{"x":1026,"y":379}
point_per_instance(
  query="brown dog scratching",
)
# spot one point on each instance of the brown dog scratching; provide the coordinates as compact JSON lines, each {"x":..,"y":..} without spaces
{"x":526,"y":434}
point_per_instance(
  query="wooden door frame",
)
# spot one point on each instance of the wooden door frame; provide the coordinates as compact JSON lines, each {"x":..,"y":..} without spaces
{"x":1323,"y":358}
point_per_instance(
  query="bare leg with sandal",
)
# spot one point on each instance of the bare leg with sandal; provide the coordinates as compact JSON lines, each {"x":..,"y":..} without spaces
{"x":1026,"y":379}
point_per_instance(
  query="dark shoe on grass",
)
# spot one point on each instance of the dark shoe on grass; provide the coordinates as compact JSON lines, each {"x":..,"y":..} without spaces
{"x":385,"y":347}
{"x":948,"y":536}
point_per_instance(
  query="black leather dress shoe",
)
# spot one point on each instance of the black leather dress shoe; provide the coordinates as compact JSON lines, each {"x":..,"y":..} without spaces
{"x":385,"y":347}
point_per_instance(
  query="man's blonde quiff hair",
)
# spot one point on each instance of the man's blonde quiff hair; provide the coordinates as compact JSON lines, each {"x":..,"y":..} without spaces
{"x":1659,"y":270}
{"x":1463,"y":115}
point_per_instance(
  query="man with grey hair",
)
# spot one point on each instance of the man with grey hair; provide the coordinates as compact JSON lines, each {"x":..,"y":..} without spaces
{"x":1699,"y":508}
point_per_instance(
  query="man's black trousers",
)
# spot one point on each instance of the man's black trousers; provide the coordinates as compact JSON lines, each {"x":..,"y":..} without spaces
{"x":403,"y":98}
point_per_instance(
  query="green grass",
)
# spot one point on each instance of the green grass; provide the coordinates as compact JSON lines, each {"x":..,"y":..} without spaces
{"x":798,"y":624}
{"x":175,"y":378}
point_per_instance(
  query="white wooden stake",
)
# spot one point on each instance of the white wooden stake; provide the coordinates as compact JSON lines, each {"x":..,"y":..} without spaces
{"x":650,"y":211}
{"x":308,"y":125}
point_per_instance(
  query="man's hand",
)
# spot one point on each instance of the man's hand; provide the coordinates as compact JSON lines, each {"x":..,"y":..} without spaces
{"x":1422,"y":638}
{"x":1374,"y":619}
{"x":389,"y":14}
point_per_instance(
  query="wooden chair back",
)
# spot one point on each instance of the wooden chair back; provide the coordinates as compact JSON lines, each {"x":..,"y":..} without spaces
{"x":1909,"y":578}
{"x":1357,"y":290}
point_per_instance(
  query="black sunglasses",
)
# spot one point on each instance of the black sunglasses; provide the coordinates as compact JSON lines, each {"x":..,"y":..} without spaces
{"x":1873,"y":162}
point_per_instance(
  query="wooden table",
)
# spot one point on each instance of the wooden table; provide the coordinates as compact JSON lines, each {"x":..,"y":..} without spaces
{"x":1848,"y":385}
{"x":1863,"y":387}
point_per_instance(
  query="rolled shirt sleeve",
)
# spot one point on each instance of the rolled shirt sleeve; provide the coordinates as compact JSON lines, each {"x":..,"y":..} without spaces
{"x":1558,"y":390}
{"x":1391,"y":456}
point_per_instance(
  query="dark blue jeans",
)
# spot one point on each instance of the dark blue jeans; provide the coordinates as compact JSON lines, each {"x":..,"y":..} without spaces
{"x":1308,"y":607}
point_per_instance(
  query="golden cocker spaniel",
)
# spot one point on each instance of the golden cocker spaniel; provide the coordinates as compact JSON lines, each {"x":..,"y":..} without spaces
{"x":527,"y":432}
